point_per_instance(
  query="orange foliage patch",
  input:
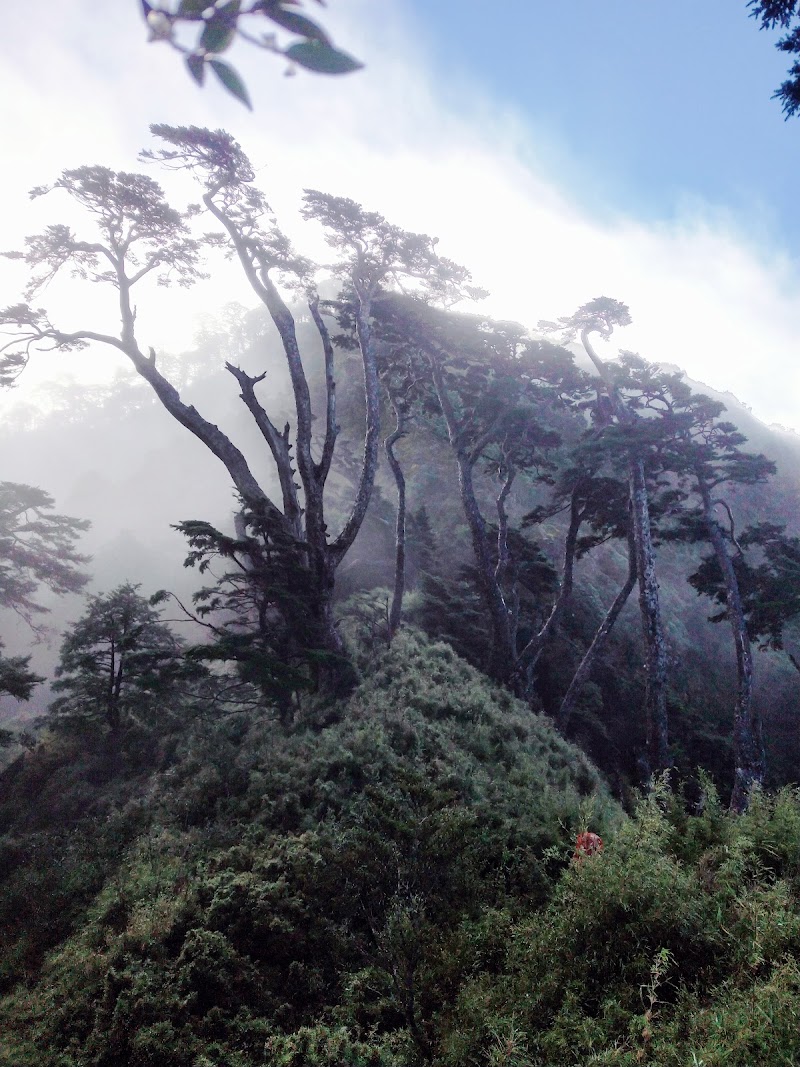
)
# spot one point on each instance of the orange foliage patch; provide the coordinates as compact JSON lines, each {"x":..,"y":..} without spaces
{"x":587,"y":844}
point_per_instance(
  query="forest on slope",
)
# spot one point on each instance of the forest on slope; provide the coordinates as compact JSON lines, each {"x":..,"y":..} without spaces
{"x":446,"y":607}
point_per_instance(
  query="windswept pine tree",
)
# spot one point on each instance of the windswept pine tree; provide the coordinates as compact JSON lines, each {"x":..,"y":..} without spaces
{"x":37,"y":549}
{"x":601,"y":316}
{"x":502,"y":400}
{"x":133,"y":235}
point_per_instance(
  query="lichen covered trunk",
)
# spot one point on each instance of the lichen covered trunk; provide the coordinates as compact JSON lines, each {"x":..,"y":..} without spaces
{"x":396,"y":607}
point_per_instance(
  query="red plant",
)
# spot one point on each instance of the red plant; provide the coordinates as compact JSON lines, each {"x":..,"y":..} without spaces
{"x":587,"y":844}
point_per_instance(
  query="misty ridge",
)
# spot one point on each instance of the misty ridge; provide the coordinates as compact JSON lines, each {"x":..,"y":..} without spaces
{"x":381,"y":682}
{"x":110,"y":454}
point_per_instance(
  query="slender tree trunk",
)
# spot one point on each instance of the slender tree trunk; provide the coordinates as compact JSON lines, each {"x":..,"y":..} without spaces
{"x":529,"y":656}
{"x":111,"y":710}
{"x":396,"y":608}
{"x":503,"y":653}
{"x":116,"y":719}
{"x":502,"y":660}
{"x":748,"y":741}
{"x":581,"y":676}
{"x":652,"y":626}
{"x":649,"y":603}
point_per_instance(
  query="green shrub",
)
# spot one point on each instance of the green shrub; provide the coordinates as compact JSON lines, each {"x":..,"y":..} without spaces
{"x":676,"y":945}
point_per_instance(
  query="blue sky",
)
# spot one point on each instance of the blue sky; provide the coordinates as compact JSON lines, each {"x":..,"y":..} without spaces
{"x":643,"y":105}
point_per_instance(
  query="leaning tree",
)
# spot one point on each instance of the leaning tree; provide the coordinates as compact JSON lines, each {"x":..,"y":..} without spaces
{"x":501,"y":400}
{"x":601,"y":316}
{"x":136,"y":235}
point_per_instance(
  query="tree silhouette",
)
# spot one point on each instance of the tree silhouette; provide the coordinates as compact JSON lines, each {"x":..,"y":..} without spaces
{"x":137,"y":235}
{"x":116,"y":662}
{"x":601,"y":316}
{"x":37,"y":548}
{"x":783,"y":14}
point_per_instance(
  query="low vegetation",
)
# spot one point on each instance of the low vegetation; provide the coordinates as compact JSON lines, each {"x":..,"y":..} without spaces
{"x":310,"y":834}
{"x":388,"y":881}
{"x":322,"y":891}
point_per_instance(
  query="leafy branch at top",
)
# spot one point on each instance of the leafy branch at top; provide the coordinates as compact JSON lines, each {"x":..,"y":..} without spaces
{"x":783,"y":14}
{"x":220,"y":22}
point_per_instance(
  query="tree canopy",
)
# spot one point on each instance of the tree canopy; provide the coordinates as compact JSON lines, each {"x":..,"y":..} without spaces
{"x":784,"y":15}
{"x":37,"y":548}
{"x":116,"y":662}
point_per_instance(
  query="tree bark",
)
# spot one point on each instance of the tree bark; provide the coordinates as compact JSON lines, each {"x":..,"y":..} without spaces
{"x":278,"y":444}
{"x":396,"y":608}
{"x":581,"y":676}
{"x":658,"y":754}
{"x":112,"y":716}
{"x":748,"y":740}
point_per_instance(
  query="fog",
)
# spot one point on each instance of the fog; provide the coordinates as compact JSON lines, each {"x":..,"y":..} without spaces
{"x":111,"y":454}
{"x":708,"y":290}
{"x":712,"y":290}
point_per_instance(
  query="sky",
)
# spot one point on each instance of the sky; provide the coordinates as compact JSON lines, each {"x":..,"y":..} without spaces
{"x":561,"y":152}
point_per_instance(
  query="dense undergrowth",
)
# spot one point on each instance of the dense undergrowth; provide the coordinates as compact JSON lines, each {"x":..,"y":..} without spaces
{"x":388,"y":881}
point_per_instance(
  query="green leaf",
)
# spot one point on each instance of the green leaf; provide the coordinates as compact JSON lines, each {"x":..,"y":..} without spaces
{"x":294,"y":23}
{"x":220,"y":30}
{"x":189,"y":8}
{"x":322,"y":58}
{"x":197,"y":67}
{"x":231,"y":80}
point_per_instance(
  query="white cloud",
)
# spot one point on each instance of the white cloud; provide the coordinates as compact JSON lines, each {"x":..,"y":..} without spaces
{"x":432,"y":157}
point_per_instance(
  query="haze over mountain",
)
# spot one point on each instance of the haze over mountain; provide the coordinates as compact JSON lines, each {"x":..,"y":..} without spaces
{"x":405,"y":673}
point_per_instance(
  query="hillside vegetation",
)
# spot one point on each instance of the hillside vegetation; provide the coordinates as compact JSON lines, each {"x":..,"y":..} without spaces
{"x":391,"y":882}
{"x":419,"y":759}
{"x":329,"y":886}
